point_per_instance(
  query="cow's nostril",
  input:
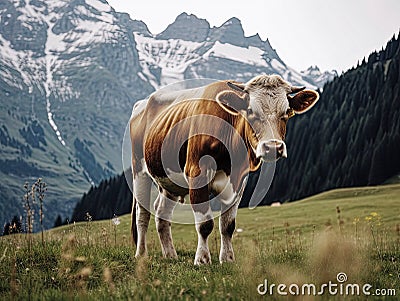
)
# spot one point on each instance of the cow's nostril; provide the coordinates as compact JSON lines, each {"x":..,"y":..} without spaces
{"x":271,"y":150}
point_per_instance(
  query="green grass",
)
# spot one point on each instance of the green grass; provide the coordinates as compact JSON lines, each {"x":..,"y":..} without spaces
{"x":309,"y":241}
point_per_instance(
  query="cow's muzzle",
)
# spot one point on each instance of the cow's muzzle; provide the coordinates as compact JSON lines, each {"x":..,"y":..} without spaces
{"x":271,"y":150}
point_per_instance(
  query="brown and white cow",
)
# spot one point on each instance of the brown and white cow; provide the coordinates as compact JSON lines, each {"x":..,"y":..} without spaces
{"x":206,"y":140}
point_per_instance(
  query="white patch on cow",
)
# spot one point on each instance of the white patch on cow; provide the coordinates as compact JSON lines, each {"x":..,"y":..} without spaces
{"x":267,"y":106}
{"x":203,"y":255}
{"x":284,"y":154}
{"x":224,"y":188}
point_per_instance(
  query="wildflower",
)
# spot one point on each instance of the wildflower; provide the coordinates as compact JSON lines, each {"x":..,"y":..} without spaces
{"x":373,"y":218}
{"x":115,"y":220}
{"x":88,"y":217}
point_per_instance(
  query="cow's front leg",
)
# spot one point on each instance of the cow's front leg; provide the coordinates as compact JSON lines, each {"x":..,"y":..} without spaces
{"x":164,"y":207}
{"x":227,"y":224}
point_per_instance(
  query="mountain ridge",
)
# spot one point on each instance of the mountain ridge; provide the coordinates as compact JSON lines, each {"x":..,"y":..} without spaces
{"x":205,"y":47}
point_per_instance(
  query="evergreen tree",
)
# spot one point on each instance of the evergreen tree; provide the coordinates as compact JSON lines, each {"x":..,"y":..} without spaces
{"x":58,"y":221}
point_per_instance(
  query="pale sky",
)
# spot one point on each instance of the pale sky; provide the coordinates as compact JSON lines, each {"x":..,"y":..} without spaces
{"x":333,"y":34}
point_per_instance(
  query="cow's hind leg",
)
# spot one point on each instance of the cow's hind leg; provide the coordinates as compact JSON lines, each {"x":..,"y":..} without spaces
{"x":227,"y":224}
{"x":164,"y":207}
{"x":199,"y":199}
{"x":227,"y":221}
{"x":141,"y":194}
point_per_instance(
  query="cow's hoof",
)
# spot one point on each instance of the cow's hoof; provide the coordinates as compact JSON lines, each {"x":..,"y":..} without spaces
{"x":171,"y":255}
{"x":201,"y":259}
{"x":228,"y":256}
{"x":141,"y":253}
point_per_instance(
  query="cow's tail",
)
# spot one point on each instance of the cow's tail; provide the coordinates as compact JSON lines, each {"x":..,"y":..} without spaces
{"x":134,"y":231}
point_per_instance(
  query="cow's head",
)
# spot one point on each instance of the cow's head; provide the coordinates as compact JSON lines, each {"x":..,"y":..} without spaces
{"x":268,"y":102}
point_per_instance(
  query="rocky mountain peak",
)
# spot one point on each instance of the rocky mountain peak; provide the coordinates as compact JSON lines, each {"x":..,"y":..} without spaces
{"x":314,"y":74}
{"x":134,"y":25}
{"x":313,"y":70}
{"x":230,"y":32}
{"x":186,"y":27}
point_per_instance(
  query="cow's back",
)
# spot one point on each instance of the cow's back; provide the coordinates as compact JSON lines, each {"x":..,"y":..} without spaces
{"x":145,"y":112}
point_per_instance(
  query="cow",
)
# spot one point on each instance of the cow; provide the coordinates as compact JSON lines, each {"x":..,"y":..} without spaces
{"x":205,"y":141}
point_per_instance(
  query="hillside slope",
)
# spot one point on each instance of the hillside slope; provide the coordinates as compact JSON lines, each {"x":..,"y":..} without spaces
{"x":316,"y":211}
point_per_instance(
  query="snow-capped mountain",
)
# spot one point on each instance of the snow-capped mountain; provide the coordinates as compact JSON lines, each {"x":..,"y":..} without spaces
{"x":70,"y":72}
{"x":190,"y":48}
{"x":314,"y":74}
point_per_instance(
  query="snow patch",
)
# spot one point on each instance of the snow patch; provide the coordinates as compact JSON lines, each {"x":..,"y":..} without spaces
{"x":173,"y":56}
{"x":101,"y":7}
{"x":251,"y":55}
{"x":50,"y":59}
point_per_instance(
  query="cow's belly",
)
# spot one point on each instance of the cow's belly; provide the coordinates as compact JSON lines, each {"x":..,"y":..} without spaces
{"x":219,"y":184}
{"x":175,"y":183}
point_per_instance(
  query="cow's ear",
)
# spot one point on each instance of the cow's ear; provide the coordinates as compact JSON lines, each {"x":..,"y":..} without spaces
{"x":232,"y":102}
{"x":303,"y":101}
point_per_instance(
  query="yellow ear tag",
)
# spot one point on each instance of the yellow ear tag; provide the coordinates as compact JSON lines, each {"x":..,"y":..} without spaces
{"x":291,"y":113}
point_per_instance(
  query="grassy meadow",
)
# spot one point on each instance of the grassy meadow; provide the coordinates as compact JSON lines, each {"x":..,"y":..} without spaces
{"x":355,"y":231}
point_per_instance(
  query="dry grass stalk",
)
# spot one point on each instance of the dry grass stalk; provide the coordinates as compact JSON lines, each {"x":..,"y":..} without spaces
{"x":107,"y":278}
